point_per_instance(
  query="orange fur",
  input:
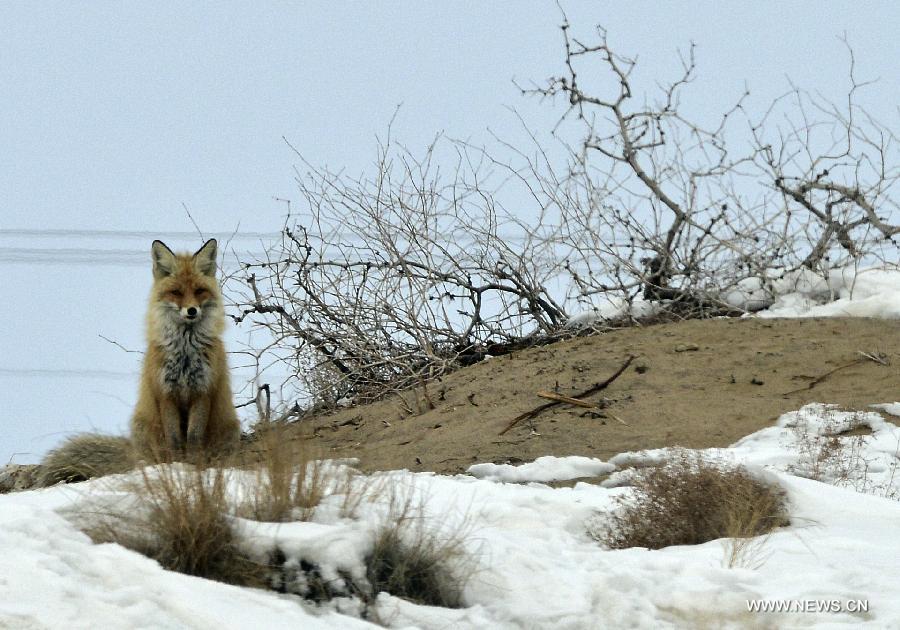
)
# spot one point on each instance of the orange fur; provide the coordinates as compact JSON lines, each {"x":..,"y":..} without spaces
{"x":184,"y":404}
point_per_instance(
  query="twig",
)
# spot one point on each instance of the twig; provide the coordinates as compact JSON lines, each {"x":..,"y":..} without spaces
{"x":878,"y":357}
{"x":196,"y":227}
{"x":593,"y":390}
{"x":619,"y":420}
{"x":295,"y":410}
{"x":821,"y":378}
{"x":116,"y":343}
{"x":566,"y":399}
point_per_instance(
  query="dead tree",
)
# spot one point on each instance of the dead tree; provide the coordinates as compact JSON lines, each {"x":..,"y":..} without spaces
{"x":705,"y":220}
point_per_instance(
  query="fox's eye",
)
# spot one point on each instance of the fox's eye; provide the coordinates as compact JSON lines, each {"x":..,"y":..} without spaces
{"x":176,"y":293}
{"x":199,"y":293}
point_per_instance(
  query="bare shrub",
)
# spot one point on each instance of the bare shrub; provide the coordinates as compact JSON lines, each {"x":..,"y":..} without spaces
{"x":633,"y":208}
{"x":730,"y":207}
{"x":688,"y":501}
{"x":388,"y":280}
{"x":834,"y":451}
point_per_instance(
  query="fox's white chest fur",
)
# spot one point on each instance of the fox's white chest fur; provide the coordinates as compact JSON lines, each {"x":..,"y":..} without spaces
{"x":186,"y":366}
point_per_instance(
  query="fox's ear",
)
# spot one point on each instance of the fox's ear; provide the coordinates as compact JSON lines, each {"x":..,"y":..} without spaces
{"x":205,"y":258}
{"x":163,"y":260}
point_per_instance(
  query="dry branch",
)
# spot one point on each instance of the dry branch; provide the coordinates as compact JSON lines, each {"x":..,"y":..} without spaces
{"x":566,"y":399}
{"x":591,"y":390}
{"x":818,"y":379}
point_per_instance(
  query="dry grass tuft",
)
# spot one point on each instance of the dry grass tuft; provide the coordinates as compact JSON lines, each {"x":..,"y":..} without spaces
{"x":424,"y":566}
{"x":182,"y":515}
{"x":182,"y":522}
{"x":289,"y":482}
{"x":688,"y":501}
{"x":745,"y":552}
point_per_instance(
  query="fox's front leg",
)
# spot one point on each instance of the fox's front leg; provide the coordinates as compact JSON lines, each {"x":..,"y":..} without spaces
{"x":198,"y":417}
{"x":171,"y":425}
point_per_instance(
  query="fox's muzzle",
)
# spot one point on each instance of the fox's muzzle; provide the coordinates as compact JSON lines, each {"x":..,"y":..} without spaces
{"x":191,"y":313}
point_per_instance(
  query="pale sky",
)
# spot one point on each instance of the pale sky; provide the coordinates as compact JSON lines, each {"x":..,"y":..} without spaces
{"x":114,"y":115}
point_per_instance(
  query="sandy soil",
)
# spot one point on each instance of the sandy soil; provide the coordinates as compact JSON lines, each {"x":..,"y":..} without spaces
{"x":695,"y":384}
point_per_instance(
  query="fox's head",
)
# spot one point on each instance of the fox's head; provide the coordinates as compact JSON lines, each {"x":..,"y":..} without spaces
{"x":184,"y":285}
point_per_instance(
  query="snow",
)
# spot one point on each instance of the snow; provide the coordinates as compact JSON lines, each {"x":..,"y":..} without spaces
{"x":54,"y":577}
{"x":535,"y":565}
{"x":844,"y":292}
{"x":610,"y":308}
{"x":546,"y":468}
{"x":848,"y":292}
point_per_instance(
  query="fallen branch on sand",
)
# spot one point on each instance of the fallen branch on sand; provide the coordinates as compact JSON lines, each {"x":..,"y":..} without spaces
{"x":593,"y":390}
{"x":815,"y":381}
{"x":566,"y":399}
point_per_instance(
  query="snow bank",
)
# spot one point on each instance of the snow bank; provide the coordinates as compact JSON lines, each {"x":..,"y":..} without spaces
{"x":872,"y":292}
{"x":845,"y":292}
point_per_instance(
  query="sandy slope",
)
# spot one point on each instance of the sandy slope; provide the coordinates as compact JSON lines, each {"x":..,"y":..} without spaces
{"x":710,"y":396}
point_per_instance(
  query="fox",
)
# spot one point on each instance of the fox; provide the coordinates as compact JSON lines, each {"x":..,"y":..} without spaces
{"x":185,"y":405}
{"x":185,"y":408}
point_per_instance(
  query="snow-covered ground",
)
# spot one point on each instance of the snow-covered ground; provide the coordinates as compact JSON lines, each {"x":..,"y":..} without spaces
{"x":535,"y":565}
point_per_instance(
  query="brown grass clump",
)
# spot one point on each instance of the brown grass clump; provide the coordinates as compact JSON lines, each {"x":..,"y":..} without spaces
{"x":688,"y":501}
{"x":181,"y":515}
{"x":182,"y":522}
{"x":412,"y":562}
{"x":289,"y":482}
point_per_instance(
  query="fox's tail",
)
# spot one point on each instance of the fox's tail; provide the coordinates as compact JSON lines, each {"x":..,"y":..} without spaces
{"x":85,"y":456}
